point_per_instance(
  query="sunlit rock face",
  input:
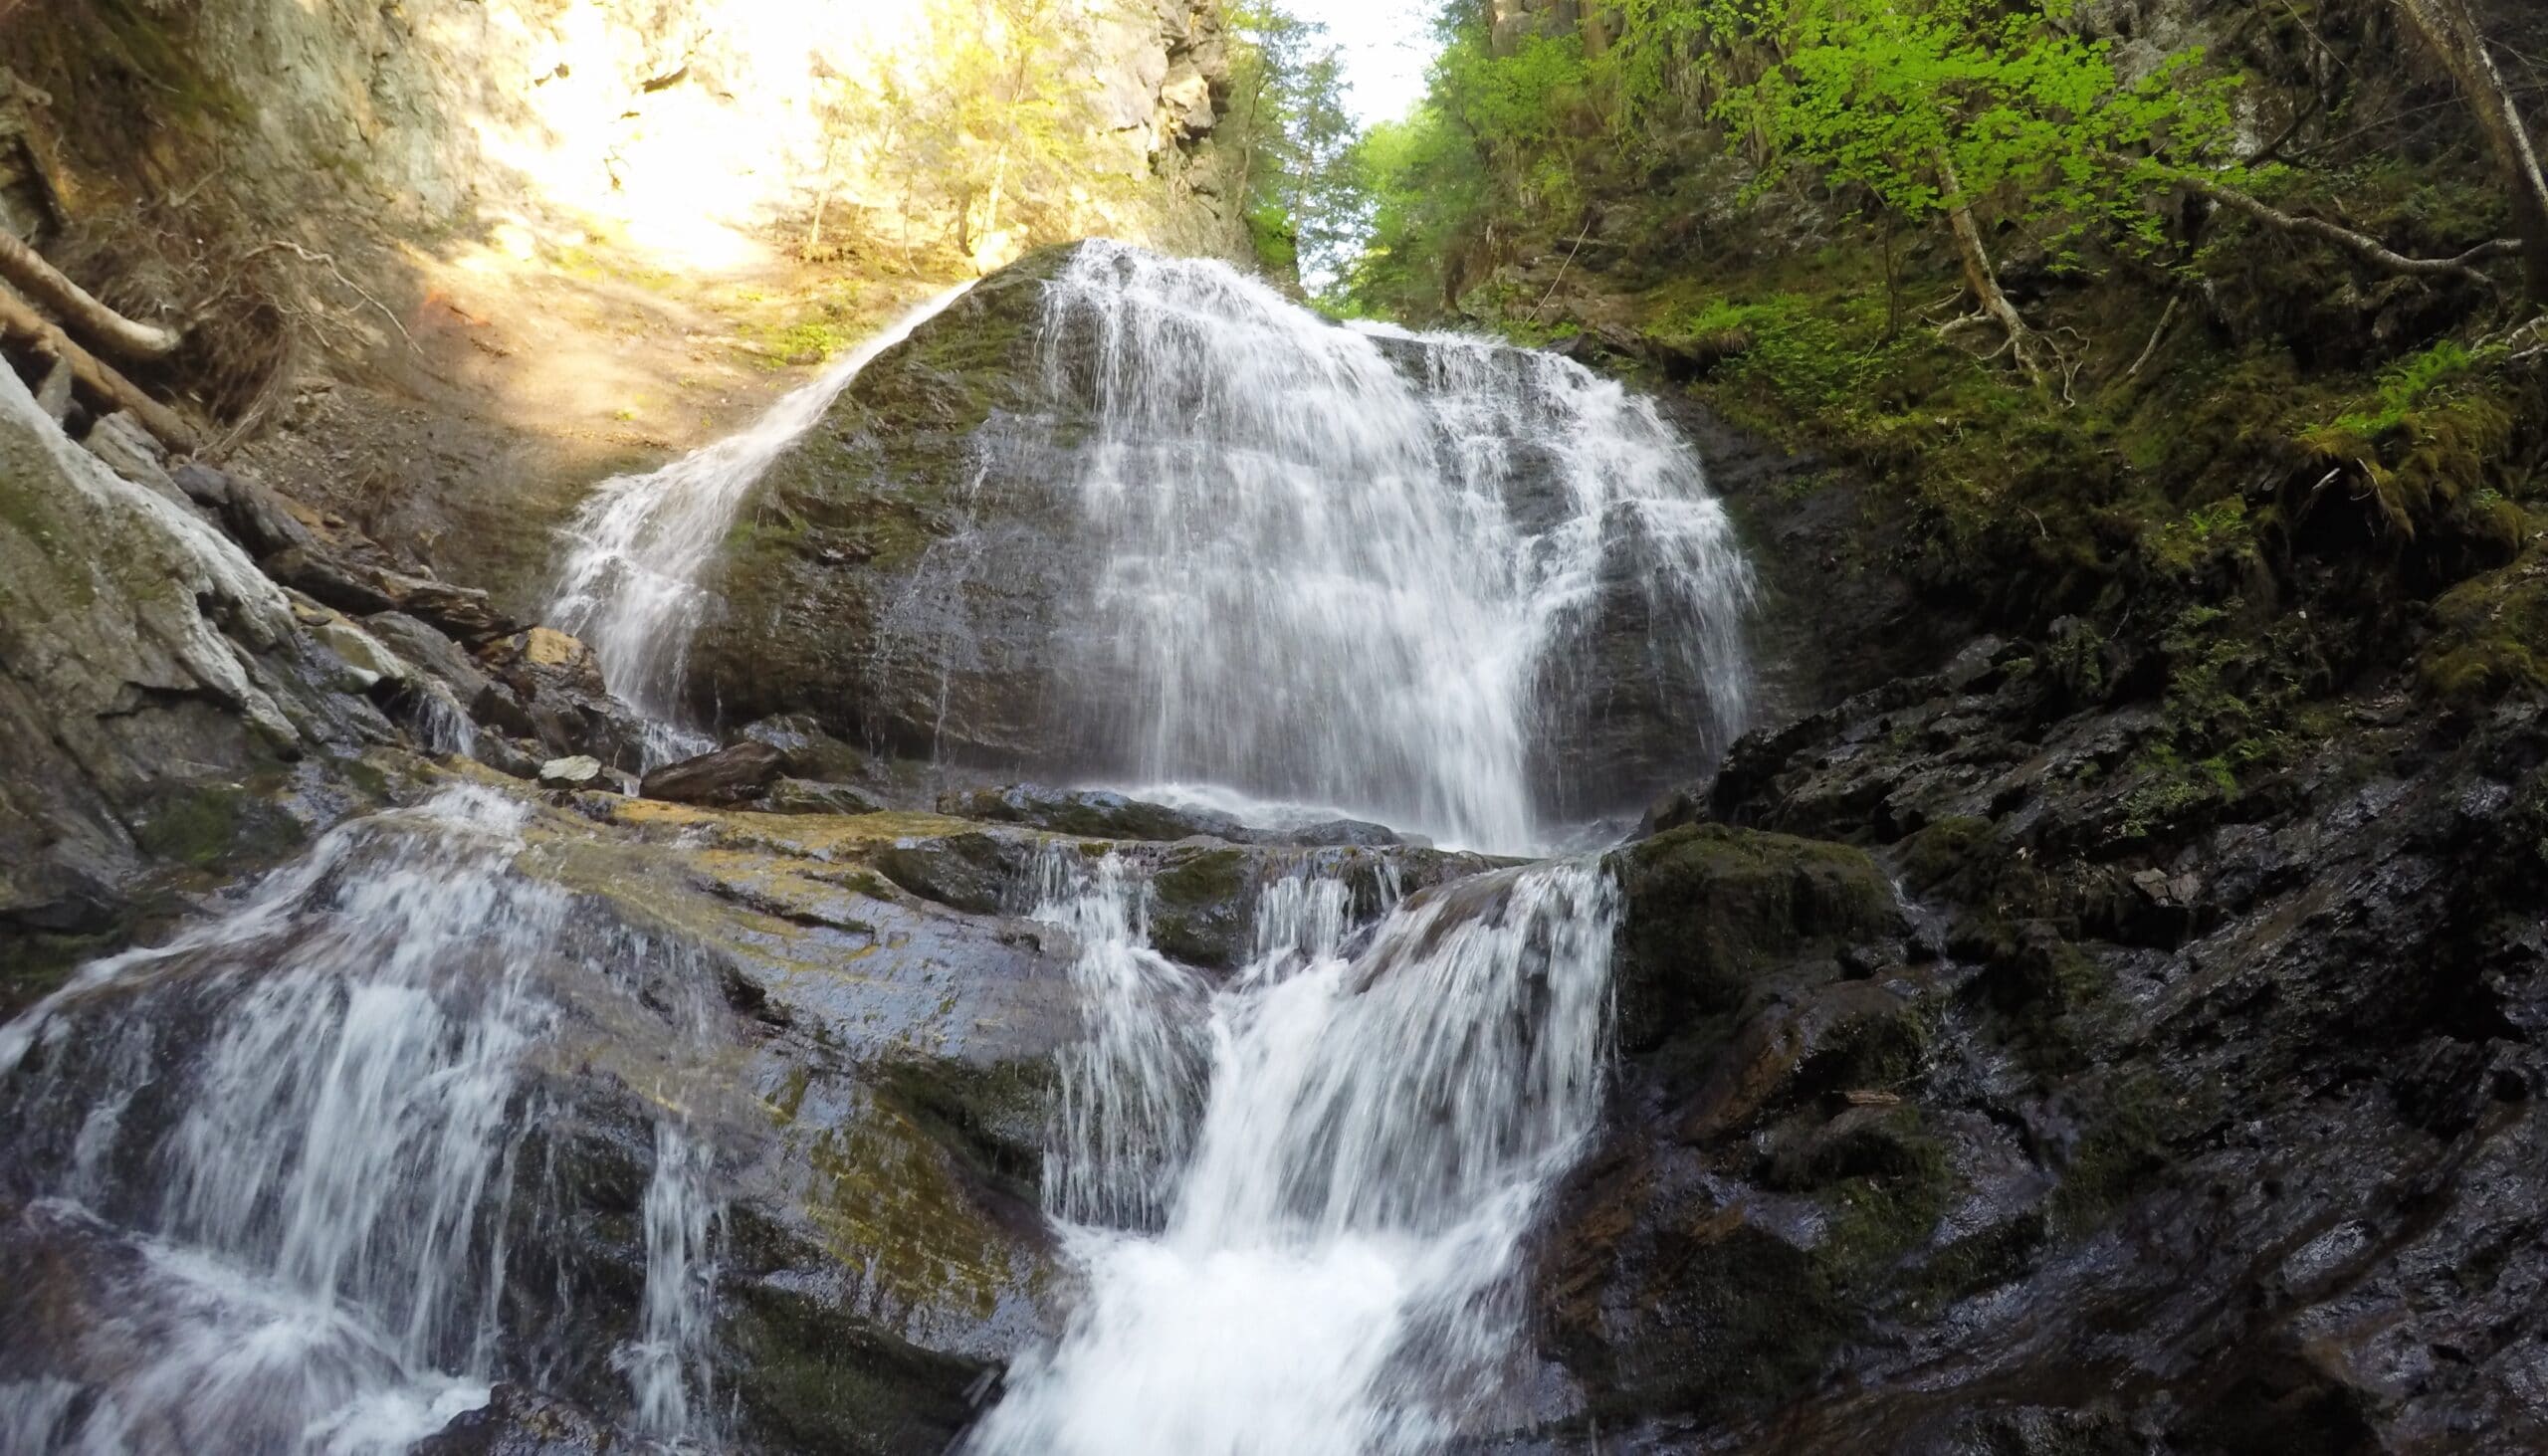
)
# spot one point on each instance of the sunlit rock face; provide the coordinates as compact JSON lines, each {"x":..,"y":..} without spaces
{"x":686,"y":127}
{"x":156,"y":692}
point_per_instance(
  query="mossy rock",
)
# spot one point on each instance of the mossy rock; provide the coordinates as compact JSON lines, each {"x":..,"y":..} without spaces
{"x":1733,"y":1314}
{"x":1711,"y":908}
{"x":1199,"y":903}
{"x":845,"y":540}
{"x":979,"y":874}
{"x":813,"y":1382}
{"x":2494,"y":635}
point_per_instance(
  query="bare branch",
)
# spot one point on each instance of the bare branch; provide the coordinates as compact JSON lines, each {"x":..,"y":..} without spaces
{"x":2361,"y":245}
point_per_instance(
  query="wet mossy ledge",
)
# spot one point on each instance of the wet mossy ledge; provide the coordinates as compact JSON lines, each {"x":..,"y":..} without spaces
{"x":1710,"y":909}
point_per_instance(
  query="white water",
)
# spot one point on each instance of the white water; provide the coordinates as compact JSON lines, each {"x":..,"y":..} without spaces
{"x":637,"y":549}
{"x":1351,"y":567}
{"x":668,"y":1366}
{"x":1343,"y":570}
{"x":287,"y":1141}
{"x":1336,"y":1270}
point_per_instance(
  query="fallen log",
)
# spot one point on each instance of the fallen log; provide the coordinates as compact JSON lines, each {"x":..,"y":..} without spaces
{"x":80,"y":309}
{"x":21,"y":325}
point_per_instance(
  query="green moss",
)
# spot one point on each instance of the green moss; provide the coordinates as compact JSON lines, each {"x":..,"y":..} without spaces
{"x":1986,"y":1259}
{"x":156,"y":45}
{"x":2493,"y":635}
{"x":2119,"y":1151}
{"x":1710,"y":907}
{"x":1209,"y":879}
{"x":1938,"y":853}
{"x":810,"y":1374}
{"x":993,"y":1116}
{"x":889,"y":1201}
{"x":1882,"y":1186}
{"x":217,"y":825}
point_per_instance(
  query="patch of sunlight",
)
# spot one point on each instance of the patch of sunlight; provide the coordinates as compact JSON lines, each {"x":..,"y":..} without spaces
{"x":686,"y":139}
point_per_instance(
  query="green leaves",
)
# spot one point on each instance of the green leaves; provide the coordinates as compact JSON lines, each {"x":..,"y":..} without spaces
{"x":1306,"y":206}
{"x":2032,"y":119}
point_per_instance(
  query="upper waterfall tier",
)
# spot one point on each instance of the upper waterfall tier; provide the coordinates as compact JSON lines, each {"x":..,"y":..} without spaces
{"x":1119,"y":518}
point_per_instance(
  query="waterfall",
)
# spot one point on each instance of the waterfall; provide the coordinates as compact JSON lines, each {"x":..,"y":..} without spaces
{"x":1335,"y":1267}
{"x":303,"y":1153}
{"x":668,"y":1368}
{"x":288,"y":1140}
{"x":630,"y":586}
{"x":1353,"y":567}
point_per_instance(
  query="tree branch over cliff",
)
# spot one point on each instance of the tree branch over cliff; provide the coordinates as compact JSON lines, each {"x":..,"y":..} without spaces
{"x":2451,"y":33}
{"x":2363,"y":246}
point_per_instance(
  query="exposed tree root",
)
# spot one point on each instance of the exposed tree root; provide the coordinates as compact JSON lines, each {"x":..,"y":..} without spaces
{"x":21,"y":325}
{"x":2032,"y":352}
{"x":79,"y":309}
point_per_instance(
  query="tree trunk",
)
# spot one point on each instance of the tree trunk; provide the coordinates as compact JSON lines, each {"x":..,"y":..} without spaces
{"x":823,"y":198}
{"x":91,"y":319}
{"x":21,"y":325}
{"x":1984,"y":279}
{"x":2453,"y":33}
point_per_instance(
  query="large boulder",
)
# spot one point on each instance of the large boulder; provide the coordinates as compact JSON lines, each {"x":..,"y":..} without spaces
{"x":844,"y":584}
{"x":924,"y":572}
{"x":162,"y":703}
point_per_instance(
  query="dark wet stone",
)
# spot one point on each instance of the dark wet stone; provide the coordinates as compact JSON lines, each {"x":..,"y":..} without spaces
{"x":736,"y":774}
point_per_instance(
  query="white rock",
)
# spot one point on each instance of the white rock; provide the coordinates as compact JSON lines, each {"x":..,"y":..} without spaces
{"x":579,"y":771}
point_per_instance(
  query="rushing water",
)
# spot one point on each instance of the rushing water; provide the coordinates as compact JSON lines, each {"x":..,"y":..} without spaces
{"x":1304,"y":1236}
{"x":284,"y":1149}
{"x":637,"y":549}
{"x":1359,"y":568}
{"x":287,"y":1170}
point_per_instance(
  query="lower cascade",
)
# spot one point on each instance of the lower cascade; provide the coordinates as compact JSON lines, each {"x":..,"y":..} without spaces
{"x":1300,"y":1200}
{"x":289,"y":1154}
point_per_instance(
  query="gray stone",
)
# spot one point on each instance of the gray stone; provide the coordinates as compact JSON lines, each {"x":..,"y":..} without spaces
{"x":578,"y":772}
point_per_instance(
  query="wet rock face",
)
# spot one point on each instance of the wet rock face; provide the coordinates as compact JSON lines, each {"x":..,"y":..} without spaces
{"x":854,"y":547}
{"x":1712,"y":909}
{"x":923,"y":574}
{"x":2202,"y":1127}
{"x":162,"y":701}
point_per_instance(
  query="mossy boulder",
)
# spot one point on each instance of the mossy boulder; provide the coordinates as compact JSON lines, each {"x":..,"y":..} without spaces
{"x":898,"y":572}
{"x":1712,"y":909}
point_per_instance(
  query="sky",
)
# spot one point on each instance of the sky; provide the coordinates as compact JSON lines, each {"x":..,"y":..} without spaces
{"x":1387,"y":46}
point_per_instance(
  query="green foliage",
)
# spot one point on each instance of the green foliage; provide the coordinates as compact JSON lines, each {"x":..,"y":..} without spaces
{"x":1933,"y":105}
{"x":982,"y":129}
{"x":2426,"y":438}
{"x":1500,"y":139}
{"x":1306,"y":204}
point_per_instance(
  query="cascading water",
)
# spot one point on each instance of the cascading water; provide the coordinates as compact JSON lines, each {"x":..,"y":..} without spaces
{"x":1343,"y":1214}
{"x":1353,"y":568}
{"x":288,"y":1143}
{"x":631,"y":582}
{"x":298,"y":1148}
